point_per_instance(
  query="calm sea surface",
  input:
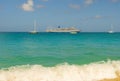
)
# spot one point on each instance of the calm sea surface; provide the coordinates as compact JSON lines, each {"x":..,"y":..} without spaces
{"x":63,"y":49}
{"x":49,"y":49}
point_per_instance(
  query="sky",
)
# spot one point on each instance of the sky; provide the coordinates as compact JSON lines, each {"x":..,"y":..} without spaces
{"x":86,"y":15}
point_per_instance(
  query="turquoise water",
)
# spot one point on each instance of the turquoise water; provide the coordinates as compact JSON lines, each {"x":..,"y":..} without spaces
{"x":59,"y":56}
{"x":50,"y":49}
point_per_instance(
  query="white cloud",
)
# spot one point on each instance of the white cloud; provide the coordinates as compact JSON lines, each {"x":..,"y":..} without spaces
{"x":89,"y":2}
{"x":45,"y":0}
{"x":28,"y":6}
{"x":74,"y":6}
{"x":101,"y":17}
{"x":40,"y":6}
{"x":98,"y":16}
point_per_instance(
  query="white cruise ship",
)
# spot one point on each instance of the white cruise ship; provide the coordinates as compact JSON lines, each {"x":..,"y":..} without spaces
{"x":59,"y":29}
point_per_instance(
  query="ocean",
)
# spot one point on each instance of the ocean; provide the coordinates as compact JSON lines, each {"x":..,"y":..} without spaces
{"x":59,"y":56}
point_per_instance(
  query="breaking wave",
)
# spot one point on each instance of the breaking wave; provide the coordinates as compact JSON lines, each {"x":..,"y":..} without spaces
{"x":63,"y":72}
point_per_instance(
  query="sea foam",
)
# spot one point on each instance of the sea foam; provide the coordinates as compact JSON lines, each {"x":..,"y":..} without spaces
{"x":62,"y":72}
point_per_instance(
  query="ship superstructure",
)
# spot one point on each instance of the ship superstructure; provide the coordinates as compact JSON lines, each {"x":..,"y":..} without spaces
{"x":59,"y":29}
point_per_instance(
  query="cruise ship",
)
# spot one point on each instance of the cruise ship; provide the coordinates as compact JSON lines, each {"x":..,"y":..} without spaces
{"x":59,"y":29}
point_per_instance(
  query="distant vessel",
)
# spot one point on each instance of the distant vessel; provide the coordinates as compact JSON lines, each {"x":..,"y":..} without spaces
{"x":111,"y":30}
{"x":72,"y":30}
{"x":34,"y":29}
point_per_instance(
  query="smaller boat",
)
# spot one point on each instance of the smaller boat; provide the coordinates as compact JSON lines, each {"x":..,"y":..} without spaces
{"x":74,"y":32}
{"x":111,"y":30}
{"x":34,"y":29}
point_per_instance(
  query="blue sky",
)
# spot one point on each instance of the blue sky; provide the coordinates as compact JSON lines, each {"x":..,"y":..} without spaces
{"x":87,"y":15}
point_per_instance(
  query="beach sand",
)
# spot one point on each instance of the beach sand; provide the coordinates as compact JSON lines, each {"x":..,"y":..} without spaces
{"x":114,"y":79}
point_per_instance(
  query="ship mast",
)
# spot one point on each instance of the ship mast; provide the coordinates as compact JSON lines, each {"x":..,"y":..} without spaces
{"x":34,"y":25}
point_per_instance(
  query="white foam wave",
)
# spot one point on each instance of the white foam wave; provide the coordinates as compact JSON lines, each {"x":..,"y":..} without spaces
{"x":63,"y":72}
